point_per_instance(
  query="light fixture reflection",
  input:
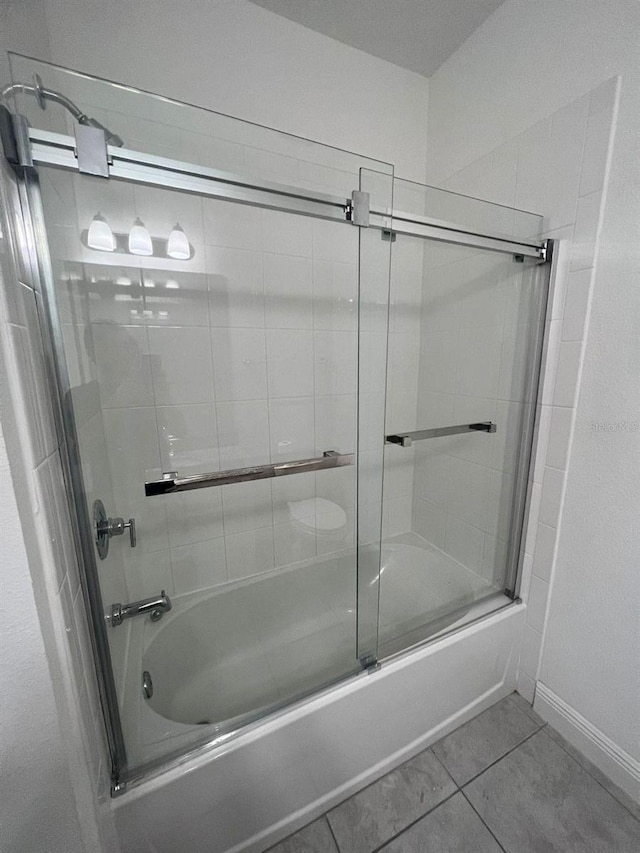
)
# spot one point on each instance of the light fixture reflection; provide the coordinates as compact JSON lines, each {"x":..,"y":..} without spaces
{"x":172,"y":284}
{"x":140,"y":239}
{"x":100,"y":236}
{"x":178,"y":245}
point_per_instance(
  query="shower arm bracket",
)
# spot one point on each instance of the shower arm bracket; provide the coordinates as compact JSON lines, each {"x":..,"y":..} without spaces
{"x":91,"y":151}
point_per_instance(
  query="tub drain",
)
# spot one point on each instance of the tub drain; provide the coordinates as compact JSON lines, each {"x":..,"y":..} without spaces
{"x":147,"y":685}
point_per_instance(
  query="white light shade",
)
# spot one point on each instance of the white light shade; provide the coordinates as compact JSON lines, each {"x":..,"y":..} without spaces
{"x":177,"y":245}
{"x":100,"y":236}
{"x":140,"y":239}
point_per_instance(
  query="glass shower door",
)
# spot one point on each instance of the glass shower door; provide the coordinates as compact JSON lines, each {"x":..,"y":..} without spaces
{"x":464,"y":333}
{"x":206,"y":326}
{"x":215,"y":405}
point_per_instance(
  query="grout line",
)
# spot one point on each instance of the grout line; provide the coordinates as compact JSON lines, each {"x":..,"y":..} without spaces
{"x":335,"y":840}
{"x":488,"y":828}
{"x":441,"y":763}
{"x":414,"y":822}
{"x":493,"y":763}
{"x":593,"y":776}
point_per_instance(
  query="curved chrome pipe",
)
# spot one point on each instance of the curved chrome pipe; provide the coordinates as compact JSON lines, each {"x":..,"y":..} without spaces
{"x":43,"y":95}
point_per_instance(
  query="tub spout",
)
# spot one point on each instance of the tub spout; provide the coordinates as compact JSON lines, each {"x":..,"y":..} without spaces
{"x":155,"y":607}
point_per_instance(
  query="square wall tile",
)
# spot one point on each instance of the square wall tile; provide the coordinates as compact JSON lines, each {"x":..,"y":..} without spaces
{"x":287,"y":492}
{"x":286,"y":233}
{"x":194,"y":516}
{"x":464,"y":542}
{"x":533,"y":513}
{"x":551,"y":501}
{"x":335,"y":295}
{"x":233,"y":226}
{"x":333,"y":242}
{"x":336,"y":423}
{"x":586,"y":231}
{"x":469,"y":494}
{"x":596,"y":148}
{"x":545,"y":551}
{"x":181,"y":365}
{"x":438,"y":357}
{"x":550,"y":355}
{"x":537,"y":604}
{"x":563,"y":176}
{"x":249,"y":553}
{"x":559,"y":437}
{"x":567,"y":373}
{"x":236,"y":288}
{"x":288,"y":291}
{"x":239,"y":363}
{"x":243,"y":433}
{"x":429,"y":521}
{"x":576,"y":305}
{"x":201,"y":565}
{"x":335,"y":355}
{"x":147,"y":573}
{"x":188,"y":438}
{"x":173,"y":297}
{"x":478,"y":362}
{"x":291,"y":425}
{"x":293,"y":543}
{"x":290,"y":362}
{"x":247,"y":506}
{"x":123,"y":365}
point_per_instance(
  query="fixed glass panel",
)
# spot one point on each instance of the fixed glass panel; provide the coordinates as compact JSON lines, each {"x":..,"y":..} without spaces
{"x":375,"y":258}
{"x":197,"y":336}
{"x":463,"y":328}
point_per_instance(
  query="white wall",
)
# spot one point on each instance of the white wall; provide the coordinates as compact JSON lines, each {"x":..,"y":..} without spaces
{"x":38,"y":805}
{"x":23,"y":28}
{"x":38,"y":812}
{"x":234,"y":57}
{"x":526,"y":61}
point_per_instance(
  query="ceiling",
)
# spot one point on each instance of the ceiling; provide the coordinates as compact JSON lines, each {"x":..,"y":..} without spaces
{"x":415,"y":34}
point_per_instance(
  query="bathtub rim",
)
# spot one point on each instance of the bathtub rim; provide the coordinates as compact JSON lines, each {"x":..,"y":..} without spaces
{"x":158,"y":772}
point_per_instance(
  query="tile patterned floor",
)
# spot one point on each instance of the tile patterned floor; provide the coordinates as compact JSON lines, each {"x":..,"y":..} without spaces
{"x":502,"y":783}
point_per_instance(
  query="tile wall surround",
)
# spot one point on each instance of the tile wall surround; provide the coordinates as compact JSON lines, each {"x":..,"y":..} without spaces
{"x":35,"y":455}
{"x":559,"y":167}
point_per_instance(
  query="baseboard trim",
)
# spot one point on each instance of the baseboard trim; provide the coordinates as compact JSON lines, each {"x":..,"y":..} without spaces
{"x":612,"y":760}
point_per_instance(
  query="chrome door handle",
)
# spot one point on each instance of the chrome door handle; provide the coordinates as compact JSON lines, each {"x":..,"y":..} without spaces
{"x":406,"y":439}
{"x":172,"y":482}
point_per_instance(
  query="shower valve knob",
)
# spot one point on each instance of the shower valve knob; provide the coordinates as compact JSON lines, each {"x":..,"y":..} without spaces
{"x":107,"y":527}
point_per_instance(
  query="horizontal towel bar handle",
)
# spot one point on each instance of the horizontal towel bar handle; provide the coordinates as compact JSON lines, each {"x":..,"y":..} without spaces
{"x":406,"y":439}
{"x":171,"y":482}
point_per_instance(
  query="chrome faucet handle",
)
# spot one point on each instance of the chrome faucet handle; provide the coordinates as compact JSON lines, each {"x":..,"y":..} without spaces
{"x":108,"y":527}
{"x":131,"y":527}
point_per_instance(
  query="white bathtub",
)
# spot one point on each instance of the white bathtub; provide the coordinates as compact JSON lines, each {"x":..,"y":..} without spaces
{"x":297,"y":631}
